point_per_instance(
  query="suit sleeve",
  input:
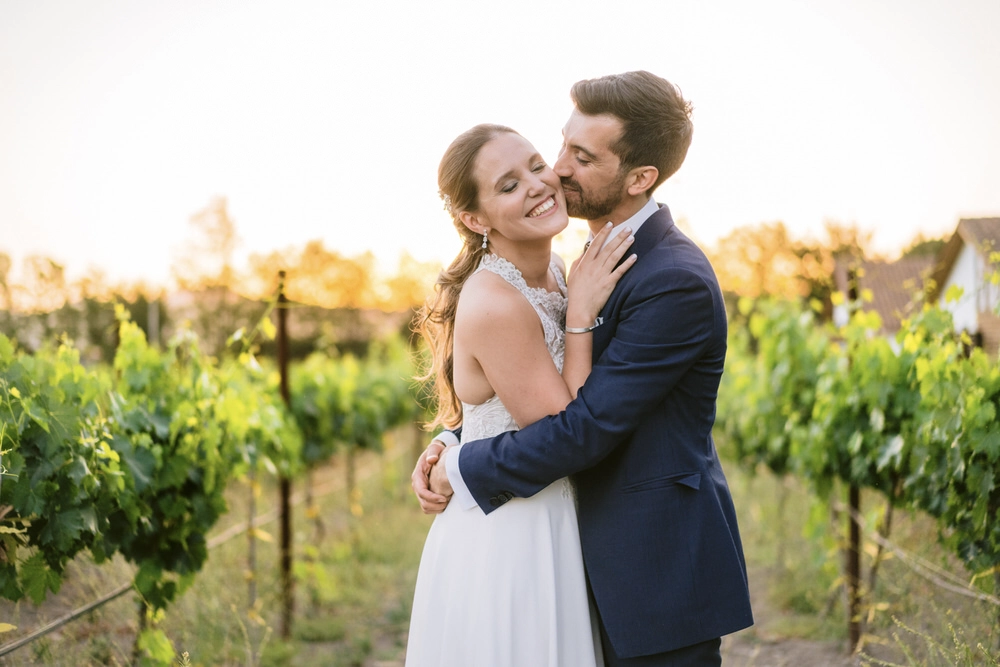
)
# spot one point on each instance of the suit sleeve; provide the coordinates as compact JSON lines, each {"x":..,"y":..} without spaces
{"x":664,"y":325}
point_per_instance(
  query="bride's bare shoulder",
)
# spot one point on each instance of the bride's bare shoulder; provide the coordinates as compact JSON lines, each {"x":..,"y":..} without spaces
{"x":488,"y":300}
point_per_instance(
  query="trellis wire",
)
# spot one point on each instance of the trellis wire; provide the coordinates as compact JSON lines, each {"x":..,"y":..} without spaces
{"x":232,"y":532}
{"x":928,"y":571}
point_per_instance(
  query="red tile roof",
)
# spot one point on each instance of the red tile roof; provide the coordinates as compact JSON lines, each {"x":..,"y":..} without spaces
{"x":893,"y":286}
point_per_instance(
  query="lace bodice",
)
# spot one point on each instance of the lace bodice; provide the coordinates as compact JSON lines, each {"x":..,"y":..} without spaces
{"x":490,"y":418}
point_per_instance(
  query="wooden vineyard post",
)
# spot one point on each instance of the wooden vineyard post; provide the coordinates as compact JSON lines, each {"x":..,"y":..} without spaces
{"x":854,"y":568}
{"x":285,"y":509}
{"x":252,"y":542}
{"x":996,"y":591}
{"x":854,"y":532}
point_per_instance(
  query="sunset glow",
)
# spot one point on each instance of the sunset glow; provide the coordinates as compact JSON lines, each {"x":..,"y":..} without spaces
{"x":326,"y":121}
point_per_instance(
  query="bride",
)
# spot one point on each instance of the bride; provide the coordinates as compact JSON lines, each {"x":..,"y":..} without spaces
{"x":508,"y":589}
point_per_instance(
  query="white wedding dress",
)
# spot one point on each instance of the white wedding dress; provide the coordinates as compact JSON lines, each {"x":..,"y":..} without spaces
{"x":506,"y":589}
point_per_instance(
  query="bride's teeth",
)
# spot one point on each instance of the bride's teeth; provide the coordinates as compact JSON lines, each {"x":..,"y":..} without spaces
{"x":542,"y":208}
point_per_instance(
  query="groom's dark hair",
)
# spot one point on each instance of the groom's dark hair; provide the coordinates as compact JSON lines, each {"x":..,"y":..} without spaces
{"x":656,"y":119}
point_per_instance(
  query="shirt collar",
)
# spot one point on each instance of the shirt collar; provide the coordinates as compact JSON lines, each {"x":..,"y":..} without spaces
{"x":635,"y":222}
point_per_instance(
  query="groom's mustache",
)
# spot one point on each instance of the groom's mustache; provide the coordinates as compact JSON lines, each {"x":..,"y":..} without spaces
{"x":570,"y":184}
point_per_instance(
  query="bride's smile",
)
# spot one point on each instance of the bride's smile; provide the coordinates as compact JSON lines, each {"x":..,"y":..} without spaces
{"x":520,"y":197}
{"x":543,"y":208}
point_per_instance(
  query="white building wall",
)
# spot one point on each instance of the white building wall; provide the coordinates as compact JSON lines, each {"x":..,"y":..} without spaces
{"x":989,"y":294}
{"x":967,"y":274}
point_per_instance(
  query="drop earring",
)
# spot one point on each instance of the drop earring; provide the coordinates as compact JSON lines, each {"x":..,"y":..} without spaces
{"x":484,"y":239}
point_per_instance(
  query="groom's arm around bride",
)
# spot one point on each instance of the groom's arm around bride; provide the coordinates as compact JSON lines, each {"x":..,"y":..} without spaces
{"x":657,"y":524}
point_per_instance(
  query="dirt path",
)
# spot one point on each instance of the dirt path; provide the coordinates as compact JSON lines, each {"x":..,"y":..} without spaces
{"x":763,"y":646}
{"x":759,"y":646}
{"x":742,"y":651}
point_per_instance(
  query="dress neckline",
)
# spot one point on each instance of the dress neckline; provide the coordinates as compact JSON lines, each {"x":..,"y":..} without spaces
{"x":515,"y":274}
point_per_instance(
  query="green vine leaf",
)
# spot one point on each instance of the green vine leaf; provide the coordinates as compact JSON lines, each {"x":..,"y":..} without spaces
{"x":38,"y":578}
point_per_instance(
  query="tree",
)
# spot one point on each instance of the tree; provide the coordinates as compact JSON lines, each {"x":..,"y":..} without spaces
{"x":758,"y":260}
{"x":846,"y":243}
{"x":764,"y":260}
{"x":922,"y":246}
{"x":6,"y":316}
{"x":5,"y":266}
{"x":44,"y":284}
{"x":319,"y":277}
{"x":410,"y":286}
{"x":205,"y":269}
{"x":207,"y":259}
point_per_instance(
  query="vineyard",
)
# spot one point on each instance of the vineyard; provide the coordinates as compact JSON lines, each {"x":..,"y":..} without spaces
{"x":133,"y":461}
{"x":913,"y":419}
{"x":136,"y":463}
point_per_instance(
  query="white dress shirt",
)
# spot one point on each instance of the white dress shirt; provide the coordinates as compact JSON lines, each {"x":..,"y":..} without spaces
{"x":462,"y":494}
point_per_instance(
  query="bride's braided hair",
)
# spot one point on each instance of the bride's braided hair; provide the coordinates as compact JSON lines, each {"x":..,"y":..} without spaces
{"x":436,"y":320}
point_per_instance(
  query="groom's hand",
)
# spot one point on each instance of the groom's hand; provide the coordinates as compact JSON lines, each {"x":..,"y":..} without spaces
{"x":430,"y":502}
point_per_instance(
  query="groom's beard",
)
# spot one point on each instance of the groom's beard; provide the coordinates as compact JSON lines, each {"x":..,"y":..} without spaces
{"x":593,"y":205}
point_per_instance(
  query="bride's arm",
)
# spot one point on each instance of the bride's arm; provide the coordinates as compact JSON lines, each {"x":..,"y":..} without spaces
{"x":497,"y":330}
{"x":499,"y":338}
{"x":591,"y":280}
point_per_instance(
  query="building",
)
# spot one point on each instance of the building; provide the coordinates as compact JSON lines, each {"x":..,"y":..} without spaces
{"x":893,"y":286}
{"x":965,"y":261}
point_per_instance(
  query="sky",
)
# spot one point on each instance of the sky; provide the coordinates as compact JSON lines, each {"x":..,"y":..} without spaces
{"x":119,"y":120}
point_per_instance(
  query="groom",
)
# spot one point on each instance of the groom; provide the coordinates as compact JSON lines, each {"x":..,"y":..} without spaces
{"x":657,"y":524}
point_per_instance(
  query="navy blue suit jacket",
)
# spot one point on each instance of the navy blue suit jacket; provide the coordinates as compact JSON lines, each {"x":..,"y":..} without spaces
{"x":660,"y":542}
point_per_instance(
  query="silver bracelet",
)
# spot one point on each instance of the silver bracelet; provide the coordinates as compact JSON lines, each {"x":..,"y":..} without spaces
{"x":598,"y":322}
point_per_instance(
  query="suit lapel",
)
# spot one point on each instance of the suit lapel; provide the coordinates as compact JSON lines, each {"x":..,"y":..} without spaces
{"x":651,"y":233}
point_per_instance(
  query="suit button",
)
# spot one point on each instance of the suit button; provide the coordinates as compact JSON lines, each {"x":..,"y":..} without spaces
{"x":494,"y":501}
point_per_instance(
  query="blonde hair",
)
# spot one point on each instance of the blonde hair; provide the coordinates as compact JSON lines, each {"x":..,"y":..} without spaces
{"x":436,"y":320}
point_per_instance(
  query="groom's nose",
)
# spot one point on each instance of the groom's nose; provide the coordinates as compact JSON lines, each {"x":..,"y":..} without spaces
{"x":563,"y":167}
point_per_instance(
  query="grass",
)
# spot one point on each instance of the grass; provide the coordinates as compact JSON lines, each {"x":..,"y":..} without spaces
{"x":355,"y":581}
{"x":794,"y":547}
{"x":352,"y":592}
{"x":792,"y":560}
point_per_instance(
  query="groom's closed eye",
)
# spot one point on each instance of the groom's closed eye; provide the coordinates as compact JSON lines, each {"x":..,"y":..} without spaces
{"x":582,"y":155}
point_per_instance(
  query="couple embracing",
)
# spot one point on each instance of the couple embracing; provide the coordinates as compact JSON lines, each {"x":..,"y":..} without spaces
{"x":583,"y":517}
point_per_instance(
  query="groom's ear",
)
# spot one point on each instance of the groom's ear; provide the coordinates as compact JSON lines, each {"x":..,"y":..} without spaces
{"x":641,"y":179}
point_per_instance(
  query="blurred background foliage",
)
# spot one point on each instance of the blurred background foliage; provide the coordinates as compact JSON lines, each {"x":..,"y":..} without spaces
{"x":339,"y":303}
